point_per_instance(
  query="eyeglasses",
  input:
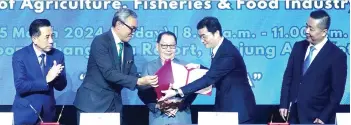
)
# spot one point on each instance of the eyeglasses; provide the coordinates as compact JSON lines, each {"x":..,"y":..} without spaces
{"x":133,"y":29}
{"x":164,"y":46}
{"x":205,"y":35}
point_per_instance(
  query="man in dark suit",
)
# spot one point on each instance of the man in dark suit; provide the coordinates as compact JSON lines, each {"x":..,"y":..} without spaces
{"x":110,"y":68}
{"x":37,"y":69}
{"x":179,"y":112}
{"x":315,"y":76}
{"x":227,"y":72}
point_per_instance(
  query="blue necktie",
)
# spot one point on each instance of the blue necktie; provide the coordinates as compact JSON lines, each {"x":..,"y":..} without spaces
{"x":42,"y":63}
{"x":308,"y":60}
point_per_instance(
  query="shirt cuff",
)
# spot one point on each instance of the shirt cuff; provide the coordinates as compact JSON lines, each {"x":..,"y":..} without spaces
{"x":180,"y":92}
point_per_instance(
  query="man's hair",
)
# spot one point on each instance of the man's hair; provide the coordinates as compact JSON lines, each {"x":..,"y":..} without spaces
{"x":34,"y":30}
{"x":166,"y":33}
{"x":211,"y":23}
{"x":323,"y":17}
{"x":122,"y":14}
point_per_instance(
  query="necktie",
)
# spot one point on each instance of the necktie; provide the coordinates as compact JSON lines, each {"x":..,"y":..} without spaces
{"x":42,"y":63}
{"x":308,"y":60}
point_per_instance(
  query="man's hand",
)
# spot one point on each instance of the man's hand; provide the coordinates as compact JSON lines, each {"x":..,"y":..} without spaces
{"x":192,"y":66}
{"x":168,"y":94}
{"x":169,"y":103}
{"x":148,"y":80}
{"x":283,"y":112}
{"x":171,"y":112}
{"x":318,"y":121}
{"x":169,"y":107}
{"x":55,"y":70}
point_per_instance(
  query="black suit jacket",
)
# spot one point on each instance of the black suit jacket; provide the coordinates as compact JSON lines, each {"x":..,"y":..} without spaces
{"x":318,"y":93}
{"x":106,"y":76}
{"x":228,"y":73}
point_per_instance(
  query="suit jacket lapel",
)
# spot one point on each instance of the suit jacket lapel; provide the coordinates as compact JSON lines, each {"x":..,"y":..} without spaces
{"x":221,"y":48}
{"x":157,"y":65}
{"x":302,"y":56}
{"x":175,"y":60}
{"x":49,"y":63}
{"x":127,"y":57}
{"x":114,"y":51}
{"x":318,"y":60}
{"x":33,"y":61}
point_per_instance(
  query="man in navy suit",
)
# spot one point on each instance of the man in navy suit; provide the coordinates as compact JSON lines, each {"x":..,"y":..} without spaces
{"x":37,"y":69}
{"x":111,"y":68}
{"x":315,"y":76}
{"x":227,"y":72}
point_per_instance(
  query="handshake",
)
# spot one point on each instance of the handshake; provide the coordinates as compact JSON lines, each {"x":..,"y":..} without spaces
{"x":169,"y":107}
{"x":166,"y":104}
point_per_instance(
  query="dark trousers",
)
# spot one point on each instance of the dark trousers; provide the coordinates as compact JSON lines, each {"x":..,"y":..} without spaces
{"x":46,"y":117}
{"x":250,"y":121}
{"x":293,"y":116}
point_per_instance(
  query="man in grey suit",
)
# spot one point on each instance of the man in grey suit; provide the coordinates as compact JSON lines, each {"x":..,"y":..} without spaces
{"x":111,"y":68}
{"x":160,"y":113}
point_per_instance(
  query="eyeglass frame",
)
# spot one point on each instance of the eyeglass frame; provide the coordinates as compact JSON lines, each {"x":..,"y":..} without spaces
{"x":165,"y":46}
{"x":129,"y":27}
{"x":205,"y":35}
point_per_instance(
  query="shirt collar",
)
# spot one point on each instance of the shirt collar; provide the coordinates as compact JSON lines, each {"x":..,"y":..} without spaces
{"x":115,"y":37}
{"x":38,"y":52}
{"x":214,"y":51}
{"x":320,"y":45}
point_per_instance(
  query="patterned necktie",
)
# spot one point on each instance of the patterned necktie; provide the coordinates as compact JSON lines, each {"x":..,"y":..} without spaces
{"x":120,"y":50}
{"x":212,"y":56}
{"x":42,"y":63}
{"x":308,"y":60}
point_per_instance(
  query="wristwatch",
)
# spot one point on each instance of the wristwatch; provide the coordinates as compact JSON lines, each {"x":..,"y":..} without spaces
{"x":177,"y":92}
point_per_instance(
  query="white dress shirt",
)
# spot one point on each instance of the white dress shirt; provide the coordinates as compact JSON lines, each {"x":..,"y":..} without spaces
{"x":117,"y":40}
{"x":38,"y":53}
{"x":317,"y":47}
{"x":214,"y":50}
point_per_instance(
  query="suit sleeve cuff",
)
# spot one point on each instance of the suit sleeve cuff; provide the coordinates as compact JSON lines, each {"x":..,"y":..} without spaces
{"x":203,"y":67}
{"x":152,"y":107}
{"x":324,"y":117}
{"x":42,"y":86}
{"x":133,"y":84}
